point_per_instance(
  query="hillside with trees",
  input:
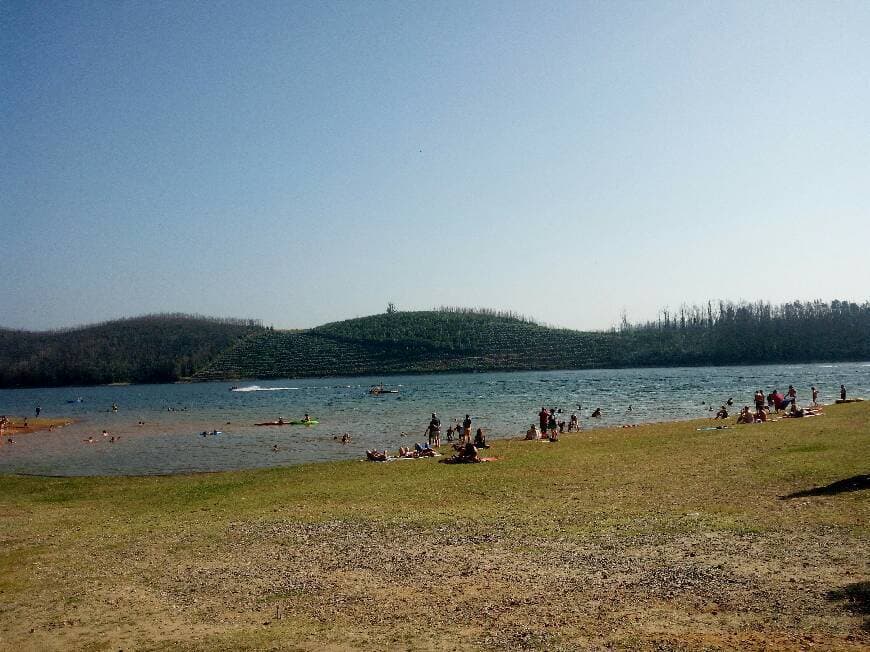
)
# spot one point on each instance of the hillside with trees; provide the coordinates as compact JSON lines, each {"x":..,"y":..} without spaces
{"x":167,"y":348}
{"x":149,"y":349}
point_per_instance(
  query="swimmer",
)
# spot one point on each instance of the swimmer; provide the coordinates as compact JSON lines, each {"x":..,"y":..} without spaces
{"x":345,"y":438}
{"x":89,"y":440}
{"x":597,"y":413}
{"x":114,"y":438}
{"x":275,"y":448}
{"x":105,"y":434}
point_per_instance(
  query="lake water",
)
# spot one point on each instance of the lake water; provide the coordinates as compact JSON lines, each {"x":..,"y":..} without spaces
{"x":503,"y":404}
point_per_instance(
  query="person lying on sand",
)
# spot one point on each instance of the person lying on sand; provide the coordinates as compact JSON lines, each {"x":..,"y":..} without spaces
{"x":376,"y":455}
{"x":413,"y":454}
{"x":797,"y":413}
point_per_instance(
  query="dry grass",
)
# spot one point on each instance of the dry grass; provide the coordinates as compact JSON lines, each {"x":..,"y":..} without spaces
{"x":654,"y":538}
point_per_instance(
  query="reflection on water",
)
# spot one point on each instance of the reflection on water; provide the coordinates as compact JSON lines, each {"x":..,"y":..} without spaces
{"x":504,"y":404}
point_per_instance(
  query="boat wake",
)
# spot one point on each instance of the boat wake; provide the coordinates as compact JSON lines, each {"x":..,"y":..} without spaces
{"x":257,"y":388}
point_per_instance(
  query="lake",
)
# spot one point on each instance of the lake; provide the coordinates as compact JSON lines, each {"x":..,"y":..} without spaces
{"x":503,"y":404}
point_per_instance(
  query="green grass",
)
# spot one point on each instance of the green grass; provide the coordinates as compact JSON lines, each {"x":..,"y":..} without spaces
{"x":663,"y":483}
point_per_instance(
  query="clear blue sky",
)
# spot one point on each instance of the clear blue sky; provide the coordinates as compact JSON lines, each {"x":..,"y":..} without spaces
{"x":308,"y":162}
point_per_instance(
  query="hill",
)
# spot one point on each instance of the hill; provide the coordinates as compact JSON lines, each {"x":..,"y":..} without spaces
{"x":148,"y":349}
{"x":165,"y":348}
{"x":412,"y":342}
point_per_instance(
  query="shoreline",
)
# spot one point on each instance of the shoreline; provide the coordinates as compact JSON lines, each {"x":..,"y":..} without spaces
{"x":445,"y":449}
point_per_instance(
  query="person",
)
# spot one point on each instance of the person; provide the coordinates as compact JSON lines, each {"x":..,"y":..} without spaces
{"x":114,"y":407}
{"x":842,"y":392}
{"x":105,"y":433}
{"x":771,"y":404}
{"x":468,"y":455}
{"x":721,"y":414}
{"x":553,"y":435}
{"x":275,"y":448}
{"x":761,"y":415}
{"x":573,"y":423}
{"x":306,"y":418}
{"x":792,"y":394}
{"x":759,"y":400}
{"x":433,"y":430}
{"x":280,"y":421}
{"x":345,"y":438}
{"x":781,"y":402}
{"x":89,"y":440}
{"x":466,"y":429}
{"x":597,"y":413}
{"x":730,"y":401}
{"x":543,"y":418}
{"x":551,"y":421}
{"x":533,"y":433}
{"x":480,"y":439}
{"x":815,"y":395}
{"x":38,"y":410}
{"x":375,"y":455}
{"x":745,"y":416}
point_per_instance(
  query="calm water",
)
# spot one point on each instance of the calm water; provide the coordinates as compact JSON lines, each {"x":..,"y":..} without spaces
{"x":504,"y":404}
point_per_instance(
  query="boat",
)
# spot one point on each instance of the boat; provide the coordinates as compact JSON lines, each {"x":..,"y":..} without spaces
{"x":377,"y":390}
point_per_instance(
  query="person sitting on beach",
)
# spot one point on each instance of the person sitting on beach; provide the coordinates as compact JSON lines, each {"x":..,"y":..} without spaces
{"x":745,"y":416}
{"x":760,"y":415}
{"x":480,"y":439}
{"x":533,"y":433}
{"x":721,"y":414}
{"x":468,"y":455}
{"x":376,"y":455}
{"x":450,"y":433}
{"x":553,"y":435}
{"x":597,"y":413}
{"x":573,"y":423}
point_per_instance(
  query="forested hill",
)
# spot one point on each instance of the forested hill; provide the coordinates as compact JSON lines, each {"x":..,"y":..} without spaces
{"x":168,"y":348}
{"x":149,"y":349}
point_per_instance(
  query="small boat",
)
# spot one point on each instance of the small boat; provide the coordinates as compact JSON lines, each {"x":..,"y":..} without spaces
{"x":377,"y":390}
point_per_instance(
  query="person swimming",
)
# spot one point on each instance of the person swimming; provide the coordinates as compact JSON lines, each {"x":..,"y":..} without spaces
{"x":597,"y":413}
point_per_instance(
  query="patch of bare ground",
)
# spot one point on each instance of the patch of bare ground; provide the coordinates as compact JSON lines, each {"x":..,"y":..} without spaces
{"x":362,"y":585}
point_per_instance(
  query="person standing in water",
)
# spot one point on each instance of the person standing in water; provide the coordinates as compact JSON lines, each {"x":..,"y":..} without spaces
{"x":842,"y":392}
{"x":815,"y":395}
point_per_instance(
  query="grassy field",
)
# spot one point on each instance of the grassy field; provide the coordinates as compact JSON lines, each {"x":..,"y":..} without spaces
{"x":661,"y":537}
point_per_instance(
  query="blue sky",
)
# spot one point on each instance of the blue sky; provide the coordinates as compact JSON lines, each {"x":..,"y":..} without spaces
{"x":308,"y":162}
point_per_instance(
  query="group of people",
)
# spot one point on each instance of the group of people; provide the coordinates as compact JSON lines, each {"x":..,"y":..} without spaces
{"x":776,"y":402}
